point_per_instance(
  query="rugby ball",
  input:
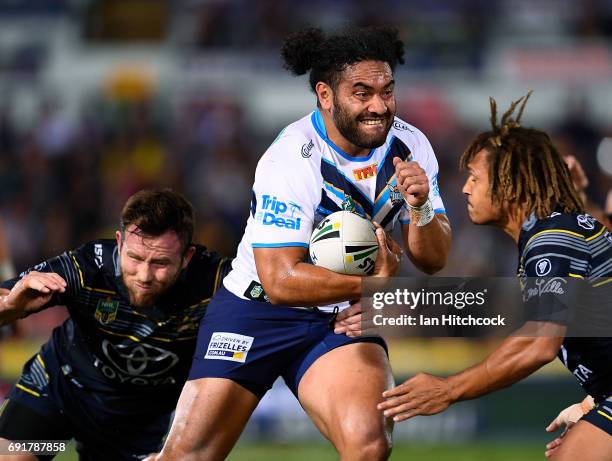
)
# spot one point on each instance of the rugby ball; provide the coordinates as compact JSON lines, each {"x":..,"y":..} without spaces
{"x":344,"y":242}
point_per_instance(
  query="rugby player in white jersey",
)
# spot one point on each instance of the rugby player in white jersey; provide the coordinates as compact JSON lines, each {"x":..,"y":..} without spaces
{"x":273,"y":317}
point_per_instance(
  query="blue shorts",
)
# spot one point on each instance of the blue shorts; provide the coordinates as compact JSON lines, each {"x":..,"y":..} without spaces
{"x":601,"y":415}
{"x":253,"y":343}
{"x":45,"y":405}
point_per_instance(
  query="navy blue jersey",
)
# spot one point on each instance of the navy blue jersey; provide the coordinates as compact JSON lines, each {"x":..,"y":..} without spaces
{"x":566,"y":247}
{"x":120,"y":353}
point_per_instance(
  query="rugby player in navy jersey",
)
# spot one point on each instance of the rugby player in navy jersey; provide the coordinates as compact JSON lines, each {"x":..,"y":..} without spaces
{"x":517,"y":181}
{"x":111,"y":374}
{"x":273,"y":316}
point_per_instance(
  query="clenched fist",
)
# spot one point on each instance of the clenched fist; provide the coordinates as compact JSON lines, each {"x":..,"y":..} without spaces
{"x":412,"y":182}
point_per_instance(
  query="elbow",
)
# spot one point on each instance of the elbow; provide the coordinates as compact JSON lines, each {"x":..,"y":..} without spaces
{"x":276,"y":291}
{"x":547,"y":355}
{"x":276,"y":296}
{"x":547,"y":350}
{"x":433,"y":268}
{"x":278,"y":280}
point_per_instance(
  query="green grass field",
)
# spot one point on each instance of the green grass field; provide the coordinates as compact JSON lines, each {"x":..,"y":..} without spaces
{"x":404,"y":452}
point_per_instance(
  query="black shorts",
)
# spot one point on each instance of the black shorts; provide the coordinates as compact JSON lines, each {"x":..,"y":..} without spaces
{"x":601,"y":415}
{"x":45,"y":405}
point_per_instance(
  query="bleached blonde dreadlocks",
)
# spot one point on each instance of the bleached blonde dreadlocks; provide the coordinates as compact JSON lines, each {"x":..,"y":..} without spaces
{"x":525,"y":168}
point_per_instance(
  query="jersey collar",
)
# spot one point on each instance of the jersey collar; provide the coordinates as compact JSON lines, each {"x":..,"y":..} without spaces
{"x":319,"y":126}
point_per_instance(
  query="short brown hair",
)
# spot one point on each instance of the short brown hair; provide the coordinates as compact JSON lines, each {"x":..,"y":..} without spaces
{"x":524,"y":165}
{"x":157,"y":211}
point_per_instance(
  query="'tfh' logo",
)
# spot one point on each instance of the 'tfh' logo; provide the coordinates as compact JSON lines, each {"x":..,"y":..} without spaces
{"x":366,"y":172}
{"x":273,"y":208}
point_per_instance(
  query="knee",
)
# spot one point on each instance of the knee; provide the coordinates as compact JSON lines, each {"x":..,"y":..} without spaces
{"x":376,"y":450}
{"x":366,"y":443}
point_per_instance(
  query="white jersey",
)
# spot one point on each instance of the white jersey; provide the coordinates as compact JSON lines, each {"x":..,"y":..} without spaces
{"x":304,"y":176}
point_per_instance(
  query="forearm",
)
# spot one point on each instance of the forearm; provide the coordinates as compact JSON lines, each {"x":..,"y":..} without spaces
{"x":309,"y":285}
{"x":428,"y":246}
{"x":8,"y":314}
{"x":515,"y":359}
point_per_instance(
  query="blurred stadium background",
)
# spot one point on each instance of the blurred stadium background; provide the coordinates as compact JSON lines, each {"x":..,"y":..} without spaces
{"x":99,"y":98}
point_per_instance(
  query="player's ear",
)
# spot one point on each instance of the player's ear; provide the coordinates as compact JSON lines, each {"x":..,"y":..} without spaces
{"x":118,"y":237}
{"x":188,"y":255}
{"x":325,"y":95}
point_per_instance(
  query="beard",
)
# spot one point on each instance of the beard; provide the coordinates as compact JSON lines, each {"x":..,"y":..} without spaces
{"x":149,"y":298}
{"x":351,"y":129}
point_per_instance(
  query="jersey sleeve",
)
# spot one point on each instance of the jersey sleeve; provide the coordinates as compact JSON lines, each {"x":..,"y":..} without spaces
{"x":66,"y":267}
{"x":555,"y":262}
{"x":428,"y":161}
{"x":285,"y":195}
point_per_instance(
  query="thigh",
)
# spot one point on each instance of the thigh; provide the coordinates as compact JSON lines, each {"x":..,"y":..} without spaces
{"x":341,"y":389}
{"x":585,"y":441}
{"x":210,"y":416}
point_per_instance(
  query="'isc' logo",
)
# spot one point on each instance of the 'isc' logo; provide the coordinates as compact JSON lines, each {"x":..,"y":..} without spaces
{"x":278,"y":213}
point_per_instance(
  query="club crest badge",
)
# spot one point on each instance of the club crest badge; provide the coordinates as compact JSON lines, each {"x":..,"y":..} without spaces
{"x":106,"y":311}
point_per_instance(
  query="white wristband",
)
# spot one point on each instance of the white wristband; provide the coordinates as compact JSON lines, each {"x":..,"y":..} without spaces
{"x":422,"y":215}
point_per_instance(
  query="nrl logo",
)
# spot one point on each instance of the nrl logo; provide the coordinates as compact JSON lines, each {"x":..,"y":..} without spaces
{"x":348,"y":204}
{"x":256,"y":291}
{"x":106,"y":311}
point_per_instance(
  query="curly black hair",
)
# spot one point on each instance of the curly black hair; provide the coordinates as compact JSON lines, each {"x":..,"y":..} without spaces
{"x":325,"y":57}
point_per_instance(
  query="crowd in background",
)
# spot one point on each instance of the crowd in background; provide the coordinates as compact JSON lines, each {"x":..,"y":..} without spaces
{"x":63,"y":183}
{"x":63,"y":179}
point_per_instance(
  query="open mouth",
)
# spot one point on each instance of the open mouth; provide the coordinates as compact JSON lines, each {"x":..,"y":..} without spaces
{"x":373,"y":122}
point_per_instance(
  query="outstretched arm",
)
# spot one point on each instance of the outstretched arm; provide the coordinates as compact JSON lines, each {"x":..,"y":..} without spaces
{"x":514,"y":359}
{"x":566,"y":420}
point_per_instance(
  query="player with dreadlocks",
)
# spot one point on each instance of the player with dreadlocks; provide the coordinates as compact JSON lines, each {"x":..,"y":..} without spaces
{"x":518,"y":182}
{"x":273,"y":316}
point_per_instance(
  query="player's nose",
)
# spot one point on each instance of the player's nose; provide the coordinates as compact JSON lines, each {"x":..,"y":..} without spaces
{"x":378,"y":105}
{"x":144,"y":274}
